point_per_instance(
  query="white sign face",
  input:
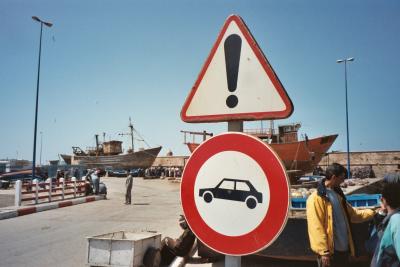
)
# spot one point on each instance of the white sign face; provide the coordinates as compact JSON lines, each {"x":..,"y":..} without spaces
{"x":232,"y":199}
{"x":236,"y":82}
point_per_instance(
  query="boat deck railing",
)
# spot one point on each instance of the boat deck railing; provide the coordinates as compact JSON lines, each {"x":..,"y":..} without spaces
{"x":259,"y":131}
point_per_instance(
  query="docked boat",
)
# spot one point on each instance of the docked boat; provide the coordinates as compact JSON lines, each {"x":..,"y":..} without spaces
{"x":109,"y":154}
{"x":298,"y":156}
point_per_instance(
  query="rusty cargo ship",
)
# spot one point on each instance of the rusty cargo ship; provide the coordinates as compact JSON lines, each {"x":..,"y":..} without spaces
{"x":298,"y":156}
{"x":109,"y":154}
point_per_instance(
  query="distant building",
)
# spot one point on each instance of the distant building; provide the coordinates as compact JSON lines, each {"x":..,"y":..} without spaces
{"x":170,"y":161}
{"x":11,"y":165}
{"x":4,"y":166}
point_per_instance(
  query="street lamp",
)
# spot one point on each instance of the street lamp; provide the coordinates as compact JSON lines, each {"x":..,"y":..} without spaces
{"x":347,"y":112}
{"x":48,"y":24}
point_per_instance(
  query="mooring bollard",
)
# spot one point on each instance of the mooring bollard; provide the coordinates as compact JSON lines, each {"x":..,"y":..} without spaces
{"x":18,"y":195}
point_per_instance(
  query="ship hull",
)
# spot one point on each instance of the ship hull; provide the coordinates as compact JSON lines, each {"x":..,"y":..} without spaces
{"x":304,"y":156}
{"x":140,"y":159}
{"x":299,"y":157}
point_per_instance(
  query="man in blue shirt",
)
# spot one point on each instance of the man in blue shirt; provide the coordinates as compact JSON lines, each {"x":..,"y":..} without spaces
{"x":387,"y":252}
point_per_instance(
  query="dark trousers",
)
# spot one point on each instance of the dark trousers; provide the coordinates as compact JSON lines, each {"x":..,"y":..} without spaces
{"x":128,"y":195}
{"x":338,"y":259}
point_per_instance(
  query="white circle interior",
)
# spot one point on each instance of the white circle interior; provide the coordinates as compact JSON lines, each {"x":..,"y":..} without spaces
{"x":225,"y":216}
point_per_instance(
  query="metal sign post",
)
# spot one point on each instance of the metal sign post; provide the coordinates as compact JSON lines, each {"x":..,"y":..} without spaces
{"x":234,"y":261}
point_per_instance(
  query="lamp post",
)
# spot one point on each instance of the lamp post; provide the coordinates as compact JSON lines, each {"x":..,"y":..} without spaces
{"x":48,"y":24}
{"x":347,"y":112}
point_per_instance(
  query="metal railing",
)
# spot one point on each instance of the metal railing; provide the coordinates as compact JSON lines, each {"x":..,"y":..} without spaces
{"x":48,"y":191}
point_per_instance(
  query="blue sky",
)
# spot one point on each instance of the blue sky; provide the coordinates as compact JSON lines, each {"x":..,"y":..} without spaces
{"x":106,"y":61}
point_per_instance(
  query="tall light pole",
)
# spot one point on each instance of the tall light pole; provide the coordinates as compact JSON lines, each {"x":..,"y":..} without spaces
{"x":347,"y":111}
{"x":48,"y":24}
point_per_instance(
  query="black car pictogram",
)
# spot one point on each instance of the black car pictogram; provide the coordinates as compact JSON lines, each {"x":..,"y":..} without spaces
{"x":233,"y":189}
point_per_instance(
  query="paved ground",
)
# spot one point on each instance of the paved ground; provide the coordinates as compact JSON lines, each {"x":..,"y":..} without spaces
{"x":57,"y":237}
{"x":253,"y":261}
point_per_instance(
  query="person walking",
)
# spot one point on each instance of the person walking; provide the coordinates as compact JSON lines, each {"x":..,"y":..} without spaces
{"x":387,"y":251}
{"x":128,"y":194}
{"x":328,"y":219}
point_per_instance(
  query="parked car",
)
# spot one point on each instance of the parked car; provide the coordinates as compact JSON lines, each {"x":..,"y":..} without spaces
{"x":139,"y":172}
{"x":118,"y":173}
{"x":233,"y":189}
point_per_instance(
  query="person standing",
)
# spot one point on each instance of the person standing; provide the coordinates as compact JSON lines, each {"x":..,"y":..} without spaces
{"x":128,"y":194}
{"x":387,"y":252}
{"x":96,"y":181}
{"x":328,"y":218}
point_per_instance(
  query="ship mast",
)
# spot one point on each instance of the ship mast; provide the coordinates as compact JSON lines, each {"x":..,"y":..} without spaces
{"x":131,"y":128}
{"x":130,"y":133}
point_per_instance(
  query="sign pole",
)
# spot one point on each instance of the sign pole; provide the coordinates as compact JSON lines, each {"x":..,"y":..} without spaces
{"x":235,"y":126}
{"x":234,"y":261}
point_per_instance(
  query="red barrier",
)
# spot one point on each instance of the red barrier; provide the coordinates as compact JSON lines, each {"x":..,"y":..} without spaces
{"x":26,"y":211}
{"x":64,"y":204}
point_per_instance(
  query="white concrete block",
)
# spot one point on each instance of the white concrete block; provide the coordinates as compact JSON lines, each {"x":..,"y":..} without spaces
{"x":48,"y":206}
{"x":121,"y":248}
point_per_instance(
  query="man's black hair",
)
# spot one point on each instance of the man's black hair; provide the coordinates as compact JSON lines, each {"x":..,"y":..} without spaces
{"x":335,"y":169}
{"x":391,"y":193}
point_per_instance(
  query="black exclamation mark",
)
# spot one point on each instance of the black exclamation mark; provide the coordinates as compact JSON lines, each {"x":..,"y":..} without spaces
{"x":232,"y":45}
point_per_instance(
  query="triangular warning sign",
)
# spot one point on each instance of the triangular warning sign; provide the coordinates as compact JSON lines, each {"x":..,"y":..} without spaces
{"x":236,"y":82}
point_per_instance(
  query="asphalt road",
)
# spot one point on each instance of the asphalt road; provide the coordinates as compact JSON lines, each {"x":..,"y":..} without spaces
{"x":58,"y":237}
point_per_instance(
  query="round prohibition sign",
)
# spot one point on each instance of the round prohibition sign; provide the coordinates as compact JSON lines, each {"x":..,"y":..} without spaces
{"x":256,"y":225}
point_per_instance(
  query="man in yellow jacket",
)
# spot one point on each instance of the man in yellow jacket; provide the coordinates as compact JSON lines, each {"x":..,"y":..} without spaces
{"x":329,"y":216}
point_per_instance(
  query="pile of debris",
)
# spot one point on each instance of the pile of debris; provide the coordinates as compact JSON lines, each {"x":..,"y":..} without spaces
{"x":363,"y":172}
{"x":354,"y":181}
